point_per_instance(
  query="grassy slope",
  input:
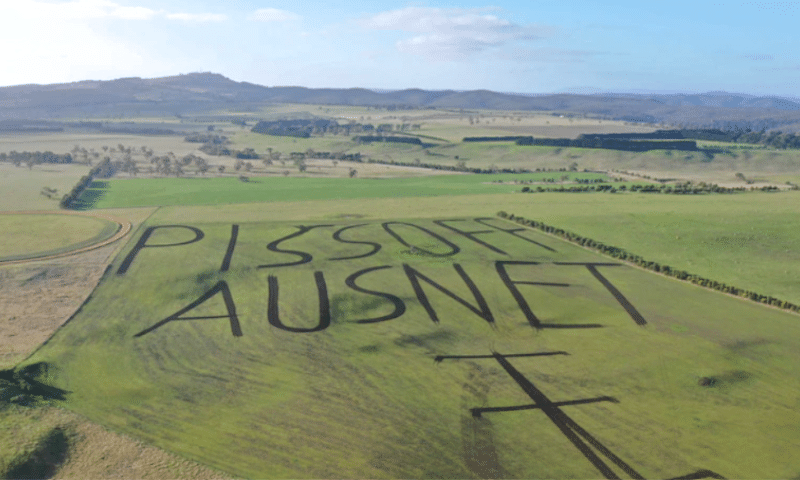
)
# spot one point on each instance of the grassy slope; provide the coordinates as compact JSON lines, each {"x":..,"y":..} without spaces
{"x":367,"y":400}
{"x":24,"y":236}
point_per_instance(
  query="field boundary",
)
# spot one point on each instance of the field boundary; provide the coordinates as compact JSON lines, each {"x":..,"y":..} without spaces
{"x":123,"y":228}
{"x":664,"y":270}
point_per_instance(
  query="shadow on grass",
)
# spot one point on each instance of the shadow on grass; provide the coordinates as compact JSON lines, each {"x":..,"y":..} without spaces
{"x":21,"y":387}
{"x":90,"y":196}
{"x":45,"y":461}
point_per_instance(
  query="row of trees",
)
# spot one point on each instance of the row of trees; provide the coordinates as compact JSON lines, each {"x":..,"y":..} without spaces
{"x":679,"y":189}
{"x":171,"y":165}
{"x":624,"y":255}
{"x":305,"y":128}
{"x":494,"y":139}
{"x":104,"y":169}
{"x":387,"y":139}
{"x":459,"y":167}
{"x":34,"y":158}
{"x":211,"y":138}
{"x":774,"y":139}
{"x":611,"y":143}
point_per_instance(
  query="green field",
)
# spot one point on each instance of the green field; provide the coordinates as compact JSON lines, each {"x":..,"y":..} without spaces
{"x":27,"y":236}
{"x":367,"y":399}
{"x":215,"y":191}
{"x":22,"y":187}
{"x":748,"y":240}
{"x":319,"y":342}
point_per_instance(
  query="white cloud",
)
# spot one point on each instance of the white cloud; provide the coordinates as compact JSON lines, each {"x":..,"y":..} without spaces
{"x":273,"y":15}
{"x":79,"y":53}
{"x":76,"y":40}
{"x":76,"y":10}
{"x":85,"y":10}
{"x":452,"y":33}
{"x":198,"y":17}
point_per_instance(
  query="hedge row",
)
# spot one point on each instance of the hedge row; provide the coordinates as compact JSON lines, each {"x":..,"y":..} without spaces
{"x":774,"y":139}
{"x":449,"y":168}
{"x":103,"y":169}
{"x":35,"y":158}
{"x":680,"y":189}
{"x":624,"y":255}
{"x":494,"y":139}
{"x":378,"y":138}
{"x":611,"y":143}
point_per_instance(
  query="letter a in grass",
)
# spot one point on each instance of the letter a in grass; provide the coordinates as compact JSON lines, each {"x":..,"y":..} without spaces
{"x":222,"y":286}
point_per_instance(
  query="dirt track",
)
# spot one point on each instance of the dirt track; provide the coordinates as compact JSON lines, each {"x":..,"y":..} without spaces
{"x":124,"y":229}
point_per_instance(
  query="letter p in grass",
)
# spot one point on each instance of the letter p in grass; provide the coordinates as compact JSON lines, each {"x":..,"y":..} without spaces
{"x":142,"y":243}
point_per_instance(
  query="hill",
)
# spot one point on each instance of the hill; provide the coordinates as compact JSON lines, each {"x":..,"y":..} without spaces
{"x":196,"y":92}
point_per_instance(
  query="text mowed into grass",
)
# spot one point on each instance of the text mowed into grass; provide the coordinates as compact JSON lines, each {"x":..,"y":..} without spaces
{"x":306,"y":341}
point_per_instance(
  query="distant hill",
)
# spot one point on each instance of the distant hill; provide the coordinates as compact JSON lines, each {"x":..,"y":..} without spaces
{"x":196,"y":92}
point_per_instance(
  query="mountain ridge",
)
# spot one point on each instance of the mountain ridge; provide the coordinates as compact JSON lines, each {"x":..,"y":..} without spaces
{"x":193,"y":92}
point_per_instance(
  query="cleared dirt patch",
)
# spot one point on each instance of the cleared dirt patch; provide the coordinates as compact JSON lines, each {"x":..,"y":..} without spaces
{"x":49,"y":442}
{"x":36,"y":298}
{"x":99,"y":453}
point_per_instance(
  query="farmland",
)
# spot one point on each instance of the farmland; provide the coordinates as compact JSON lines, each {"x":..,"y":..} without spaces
{"x":44,"y":235}
{"x":162,"y":387}
{"x":218,"y":191}
{"x":311,"y":325}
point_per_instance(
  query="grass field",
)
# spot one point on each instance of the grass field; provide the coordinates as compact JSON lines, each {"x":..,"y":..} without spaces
{"x":22,"y":187}
{"x":368,"y":400}
{"x":217,"y":191}
{"x":748,"y":240}
{"x":296,"y":396}
{"x":27,"y":236}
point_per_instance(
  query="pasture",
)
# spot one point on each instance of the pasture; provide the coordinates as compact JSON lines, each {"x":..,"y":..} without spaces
{"x":748,"y":240}
{"x":328,"y":349}
{"x":318,"y":326}
{"x":30,"y":236}
{"x":218,"y":191}
{"x":22,"y":187}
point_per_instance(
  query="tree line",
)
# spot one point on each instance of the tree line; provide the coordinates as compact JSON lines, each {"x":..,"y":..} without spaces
{"x":494,"y":139}
{"x":774,"y":139}
{"x":611,"y":143}
{"x":104,"y":169}
{"x":687,"y":188}
{"x":211,"y":138}
{"x":388,"y":139}
{"x":303,"y":128}
{"x":461,"y":167}
{"x":624,"y":255}
{"x":34,"y":158}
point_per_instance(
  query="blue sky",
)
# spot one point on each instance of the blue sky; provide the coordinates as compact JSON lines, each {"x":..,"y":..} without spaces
{"x":502,"y":45}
